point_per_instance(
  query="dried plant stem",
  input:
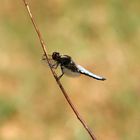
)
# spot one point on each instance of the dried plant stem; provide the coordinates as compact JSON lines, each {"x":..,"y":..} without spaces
{"x":55,"y":76}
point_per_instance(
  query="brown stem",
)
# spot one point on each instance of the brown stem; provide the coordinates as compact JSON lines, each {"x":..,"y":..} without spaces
{"x":55,"y":76}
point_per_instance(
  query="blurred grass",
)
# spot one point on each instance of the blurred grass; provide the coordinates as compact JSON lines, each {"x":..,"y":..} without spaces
{"x":106,"y":34}
{"x":7,"y":110}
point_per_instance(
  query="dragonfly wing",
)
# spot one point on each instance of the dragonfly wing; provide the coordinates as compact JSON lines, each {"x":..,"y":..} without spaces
{"x":88,"y":73}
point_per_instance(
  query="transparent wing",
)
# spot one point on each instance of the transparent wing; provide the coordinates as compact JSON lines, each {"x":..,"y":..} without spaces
{"x":88,"y":73}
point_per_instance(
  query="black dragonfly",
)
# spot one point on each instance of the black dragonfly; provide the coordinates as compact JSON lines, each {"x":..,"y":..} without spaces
{"x":69,"y":67}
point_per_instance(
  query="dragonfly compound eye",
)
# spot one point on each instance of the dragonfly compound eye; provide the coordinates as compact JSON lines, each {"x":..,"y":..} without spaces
{"x":55,"y":55}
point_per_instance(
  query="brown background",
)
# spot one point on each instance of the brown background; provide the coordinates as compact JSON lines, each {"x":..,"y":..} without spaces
{"x":103,"y":36}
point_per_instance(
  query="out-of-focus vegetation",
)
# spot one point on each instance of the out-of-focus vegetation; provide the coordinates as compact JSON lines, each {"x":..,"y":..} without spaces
{"x":103,"y":36}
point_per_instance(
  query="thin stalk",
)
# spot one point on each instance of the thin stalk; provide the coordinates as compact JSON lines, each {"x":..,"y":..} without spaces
{"x":55,"y":76}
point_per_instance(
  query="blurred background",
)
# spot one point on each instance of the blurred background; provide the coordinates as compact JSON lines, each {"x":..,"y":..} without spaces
{"x":103,"y":36}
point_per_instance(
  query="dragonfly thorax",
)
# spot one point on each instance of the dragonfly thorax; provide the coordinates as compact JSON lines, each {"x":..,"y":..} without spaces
{"x":62,"y":59}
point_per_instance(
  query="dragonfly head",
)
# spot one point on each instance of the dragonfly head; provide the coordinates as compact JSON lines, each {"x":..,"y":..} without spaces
{"x":56,"y":56}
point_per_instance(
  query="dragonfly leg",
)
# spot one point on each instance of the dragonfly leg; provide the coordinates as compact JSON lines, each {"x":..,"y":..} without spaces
{"x":43,"y":57}
{"x":60,"y":76}
{"x":54,"y":66}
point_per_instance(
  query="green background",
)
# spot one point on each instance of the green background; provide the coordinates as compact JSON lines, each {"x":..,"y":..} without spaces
{"x":103,"y":36}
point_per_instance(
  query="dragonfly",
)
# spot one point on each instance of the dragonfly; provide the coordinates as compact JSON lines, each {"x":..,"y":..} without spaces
{"x":69,"y":67}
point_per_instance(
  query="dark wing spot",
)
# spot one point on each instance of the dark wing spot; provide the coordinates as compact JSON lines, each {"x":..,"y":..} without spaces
{"x":72,"y":66}
{"x":65,"y":60}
